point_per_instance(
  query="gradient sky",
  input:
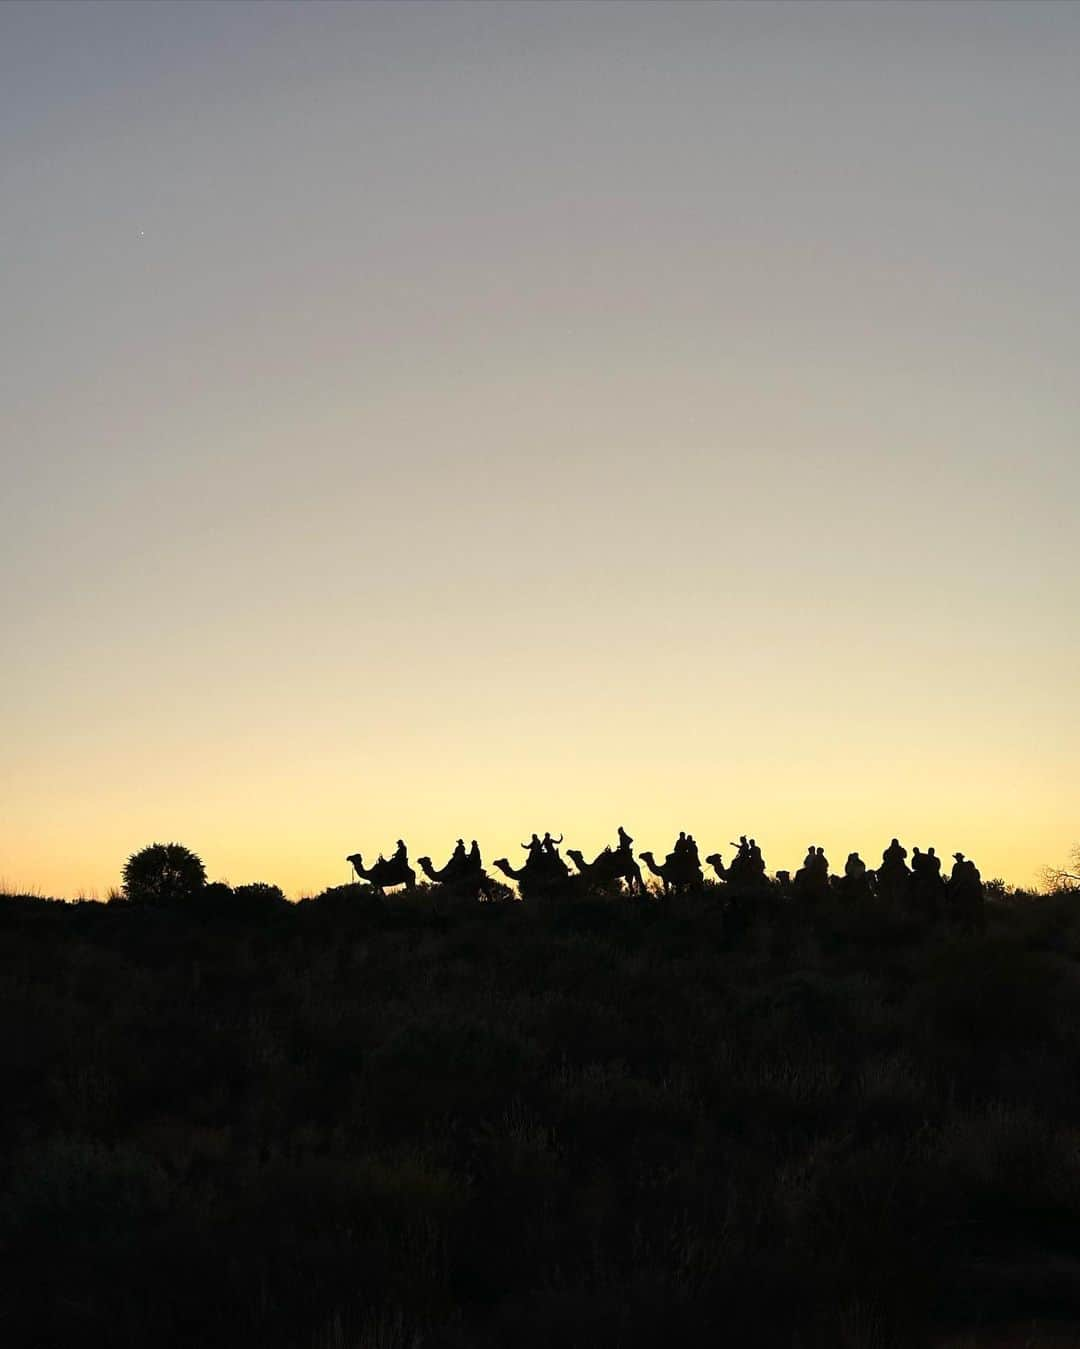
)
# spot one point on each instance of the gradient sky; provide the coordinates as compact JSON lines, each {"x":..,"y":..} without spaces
{"x":465,"y":419}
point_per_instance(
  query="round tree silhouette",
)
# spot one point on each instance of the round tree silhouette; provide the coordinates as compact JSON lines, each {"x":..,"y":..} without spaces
{"x":163,"y":873}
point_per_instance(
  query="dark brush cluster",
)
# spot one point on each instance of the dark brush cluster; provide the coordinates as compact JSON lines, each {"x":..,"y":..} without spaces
{"x":596,"y":1121}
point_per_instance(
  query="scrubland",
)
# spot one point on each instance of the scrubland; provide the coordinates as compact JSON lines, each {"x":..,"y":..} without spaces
{"x":353,"y":1124}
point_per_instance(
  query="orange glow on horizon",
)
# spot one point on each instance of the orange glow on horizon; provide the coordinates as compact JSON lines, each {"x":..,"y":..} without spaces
{"x":437,"y":420}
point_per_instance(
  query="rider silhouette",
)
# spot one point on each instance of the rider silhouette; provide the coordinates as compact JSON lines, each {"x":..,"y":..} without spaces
{"x":854,"y":867}
{"x":678,"y":850}
{"x":894,"y":856}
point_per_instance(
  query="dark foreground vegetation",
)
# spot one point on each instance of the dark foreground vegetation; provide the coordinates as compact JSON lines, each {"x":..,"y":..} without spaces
{"x":367,"y":1123}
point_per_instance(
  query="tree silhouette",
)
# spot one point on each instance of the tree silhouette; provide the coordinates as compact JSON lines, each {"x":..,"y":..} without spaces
{"x":1067,"y":877}
{"x":163,"y":873}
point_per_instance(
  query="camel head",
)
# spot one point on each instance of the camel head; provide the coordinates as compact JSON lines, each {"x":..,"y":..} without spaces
{"x":579,"y":860}
{"x":716,"y":862}
{"x":657,"y":869}
{"x":357,"y":862}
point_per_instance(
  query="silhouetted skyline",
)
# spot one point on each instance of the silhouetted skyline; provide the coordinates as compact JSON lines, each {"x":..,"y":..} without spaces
{"x":450,"y":416}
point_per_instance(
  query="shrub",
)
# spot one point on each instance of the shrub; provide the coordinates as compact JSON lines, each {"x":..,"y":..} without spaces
{"x":80,"y":1194}
{"x":259,"y":896}
{"x":163,"y":873}
{"x":245,"y":902}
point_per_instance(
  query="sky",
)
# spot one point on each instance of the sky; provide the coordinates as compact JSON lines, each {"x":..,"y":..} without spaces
{"x":452,"y":419}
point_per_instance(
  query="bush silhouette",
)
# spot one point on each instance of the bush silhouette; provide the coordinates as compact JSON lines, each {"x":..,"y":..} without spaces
{"x":257,"y":899}
{"x":357,"y":1121}
{"x":163,"y":873}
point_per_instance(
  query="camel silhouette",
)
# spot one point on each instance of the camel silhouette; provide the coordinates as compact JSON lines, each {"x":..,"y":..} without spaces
{"x":542,"y":876}
{"x":966,"y":896}
{"x":717,"y":863}
{"x":679,"y":874}
{"x":384,"y":872}
{"x":926,"y":886}
{"x":609,"y":866}
{"x":857,"y":882}
{"x":892,"y":880}
{"x":445,"y":875}
{"x":463,"y":875}
{"x":812,"y":883}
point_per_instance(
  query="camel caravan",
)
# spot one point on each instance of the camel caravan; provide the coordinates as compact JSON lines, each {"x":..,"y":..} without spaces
{"x":919,"y":889}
